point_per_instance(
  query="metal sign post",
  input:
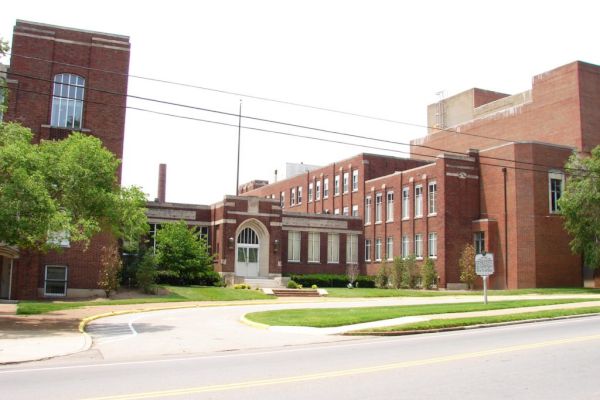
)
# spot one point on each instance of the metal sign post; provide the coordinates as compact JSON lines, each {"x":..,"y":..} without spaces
{"x":484,"y":267}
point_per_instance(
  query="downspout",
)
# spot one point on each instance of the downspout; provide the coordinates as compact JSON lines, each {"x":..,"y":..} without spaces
{"x":505,"y":231}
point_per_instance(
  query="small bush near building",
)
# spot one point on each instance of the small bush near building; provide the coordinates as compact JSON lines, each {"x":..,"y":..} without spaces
{"x":111,"y":264}
{"x":411,"y":274}
{"x":332,"y":280}
{"x":466,"y":264}
{"x":382,"y":279}
{"x":292,"y":284}
{"x":397,"y":273}
{"x":428,"y":274}
{"x":145,"y":275}
{"x":242,"y":286}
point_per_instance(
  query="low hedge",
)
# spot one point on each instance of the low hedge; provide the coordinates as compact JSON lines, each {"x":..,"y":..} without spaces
{"x":331,"y":280}
{"x":206,"y":278}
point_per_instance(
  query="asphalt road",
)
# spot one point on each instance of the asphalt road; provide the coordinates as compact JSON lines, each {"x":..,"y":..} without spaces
{"x":551,"y":360}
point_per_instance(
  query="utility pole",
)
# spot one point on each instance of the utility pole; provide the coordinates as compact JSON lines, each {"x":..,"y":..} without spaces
{"x":237,"y":181}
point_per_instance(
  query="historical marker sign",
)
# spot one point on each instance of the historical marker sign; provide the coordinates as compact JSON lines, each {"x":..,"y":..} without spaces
{"x":484,"y":264}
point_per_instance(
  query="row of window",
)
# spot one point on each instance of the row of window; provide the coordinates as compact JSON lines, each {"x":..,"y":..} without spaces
{"x":315,"y":189}
{"x":431,"y":203}
{"x":314,"y":247}
{"x":389,"y":247}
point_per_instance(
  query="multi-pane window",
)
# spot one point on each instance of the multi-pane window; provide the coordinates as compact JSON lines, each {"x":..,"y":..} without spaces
{"x":282,"y":199}
{"x":355,"y":210}
{"x":368,"y":250}
{"x":479,"y":242}
{"x":405,"y":246}
{"x":336,"y":185}
{"x":352,"y":249}
{"x":314,"y":247}
{"x":310,"y":192}
{"x":418,"y":245}
{"x":355,"y":180}
{"x":432,"y":198}
{"x":318,"y":191}
{"x":299,"y":194}
{"x":390,"y":206}
{"x":292,"y":196}
{"x":293,"y":246}
{"x":405,"y":203}
{"x":377,"y":249}
{"x":345,"y":182}
{"x":55,"y":280}
{"x":345,"y":211}
{"x":378,"y":200}
{"x":368,"y":210}
{"x":333,"y":248}
{"x":432,"y":245}
{"x":389,"y":248}
{"x":325,"y":188}
{"x":67,"y":101}
{"x":555,"y":183}
{"x":418,"y":201}
{"x":336,"y":211}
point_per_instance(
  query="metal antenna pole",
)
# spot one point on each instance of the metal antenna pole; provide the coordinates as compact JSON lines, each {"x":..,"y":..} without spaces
{"x":237,"y":181}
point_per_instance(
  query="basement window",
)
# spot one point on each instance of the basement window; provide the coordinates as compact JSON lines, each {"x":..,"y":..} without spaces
{"x":55,"y":282}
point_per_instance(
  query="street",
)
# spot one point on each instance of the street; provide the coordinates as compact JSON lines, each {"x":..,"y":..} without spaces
{"x":550,"y":360}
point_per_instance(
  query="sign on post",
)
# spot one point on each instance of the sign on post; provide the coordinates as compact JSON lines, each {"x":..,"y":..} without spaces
{"x":484,"y":267}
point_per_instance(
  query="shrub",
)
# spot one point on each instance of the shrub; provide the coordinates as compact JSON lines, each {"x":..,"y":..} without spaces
{"x":382,"y":279}
{"x":332,"y":280}
{"x":145,"y":275}
{"x":314,"y":287}
{"x":111,"y":265}
{"x":428,"y":274}
{"x":210,"y":278}
{"x":466,"y":265}
{"x":292,"y":284}
{"x":242,"y":286}
{"x":397,"y":274}
{"x":352,"y":272}
{"x":411,"y":275}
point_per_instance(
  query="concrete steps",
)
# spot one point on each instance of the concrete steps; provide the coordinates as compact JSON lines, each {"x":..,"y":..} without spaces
{"x":296,"y":292}
{"x":263,"y":283}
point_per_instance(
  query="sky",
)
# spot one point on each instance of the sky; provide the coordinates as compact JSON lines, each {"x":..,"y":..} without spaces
{"x":384,"y":59}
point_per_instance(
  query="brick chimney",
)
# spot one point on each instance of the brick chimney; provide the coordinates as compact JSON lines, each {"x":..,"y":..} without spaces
{"x":162,"y":182}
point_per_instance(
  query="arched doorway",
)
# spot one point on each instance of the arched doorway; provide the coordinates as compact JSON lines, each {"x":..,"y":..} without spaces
{"x":247,"y":253}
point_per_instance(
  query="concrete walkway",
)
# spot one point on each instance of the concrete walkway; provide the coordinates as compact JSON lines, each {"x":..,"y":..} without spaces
{"x":37,"y":337}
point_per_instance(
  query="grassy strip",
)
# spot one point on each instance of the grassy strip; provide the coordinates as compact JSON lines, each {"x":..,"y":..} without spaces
{"x":176,"y":294}
{"x":364,"y":292}
{"x":329,"y":317}
{"x":460,"y":322}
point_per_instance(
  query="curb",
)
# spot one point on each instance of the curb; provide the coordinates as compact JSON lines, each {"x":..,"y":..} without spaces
{"x":464,"y":328}
{"x":253,"y":324}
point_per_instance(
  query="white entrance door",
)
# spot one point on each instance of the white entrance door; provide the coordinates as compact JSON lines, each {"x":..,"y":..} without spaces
{"x":246,"y":262}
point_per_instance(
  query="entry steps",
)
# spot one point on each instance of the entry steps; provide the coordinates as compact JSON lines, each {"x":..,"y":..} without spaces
{"x":263,"y":283}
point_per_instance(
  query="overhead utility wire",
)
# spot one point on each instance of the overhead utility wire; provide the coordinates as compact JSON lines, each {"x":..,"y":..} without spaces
{"x":286,"y":133}
{"x":284,"y":123}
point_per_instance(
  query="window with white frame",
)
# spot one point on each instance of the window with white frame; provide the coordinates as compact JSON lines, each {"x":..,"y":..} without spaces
{"x":432,"y":198}
{"x":378,"y":201}
{"x":282,"y":199}
{"x":355,"y":210}
{"x":336,"y":211}
{"x":299,"y":194}
{"x":345,"y":182}
{"x":418,"y":201}
{"x":479,"y":242}
{"x":405,"y":246}
{"x":390,"y":206}
{"x":368,"y":250}
{"x":333,"y":248}
{"x":432,"y":245}
{"x":325,"y":188}
{"x":314,"y":247}
{"x":55,"y":280}
{"x":294,"y":243}
{"x":405,"y":203}
{"x":310,"y":192}
{"x":67,"y":101}
{"x":352,"y":249}
{"x":355,"y":180}
{"x":345,"y":211}
{"x":318,"y":191}
{"x":378,"y":249}
{"x":368,"y":210}
{"x":418,"y":246}
{"x":336,"y":185}
{"x":60,"y":239}
{"x":389,"y":248}
{"x":555,"y":186}
{"x":292,"y":196}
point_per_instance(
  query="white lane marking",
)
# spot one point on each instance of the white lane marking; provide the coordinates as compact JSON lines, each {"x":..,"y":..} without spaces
{"x":308,"y":347}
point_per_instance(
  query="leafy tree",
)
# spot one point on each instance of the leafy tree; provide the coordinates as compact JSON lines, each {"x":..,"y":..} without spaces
{"x":183,"y":251}
{"x":382,"y":278}
{"x":397,"y":273}
{"x":411,"y":275}
{"x":466,"y":265}
{"x":145,"y":274}
{"x":428,"y":274}
{"x":580,"y":206}
{"x":68,"y":186}
{"x":111,"y":265}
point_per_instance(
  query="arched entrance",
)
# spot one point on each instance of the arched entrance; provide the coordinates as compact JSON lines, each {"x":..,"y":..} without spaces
{"x":252,"y":249}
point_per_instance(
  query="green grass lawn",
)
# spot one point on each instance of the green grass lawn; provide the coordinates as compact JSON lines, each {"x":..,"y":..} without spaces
{"x":329,"y":317}
{"x":176,"y":294}
{"x":363,"y":292}
{"x":460,"y":322}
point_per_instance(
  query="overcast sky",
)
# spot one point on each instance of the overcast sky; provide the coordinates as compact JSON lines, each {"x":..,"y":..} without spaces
{"x":384,"y":59}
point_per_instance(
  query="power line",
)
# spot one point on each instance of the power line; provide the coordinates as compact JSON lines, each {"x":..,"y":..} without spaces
{"x":363,"y":137}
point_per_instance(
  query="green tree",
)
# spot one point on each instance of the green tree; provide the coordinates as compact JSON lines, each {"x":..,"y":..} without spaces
{"x":382,"y":278}
{"x":183,"y":251}
{"x":411,"y":275}
{"x":397,"y":273}
{"x":580,"y":206}
{"x":111,"y":265}
{"x":145,"y":274}
{"x":466,"y":265}
{"x":68,"y":186}
{"x":428,"y":274}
